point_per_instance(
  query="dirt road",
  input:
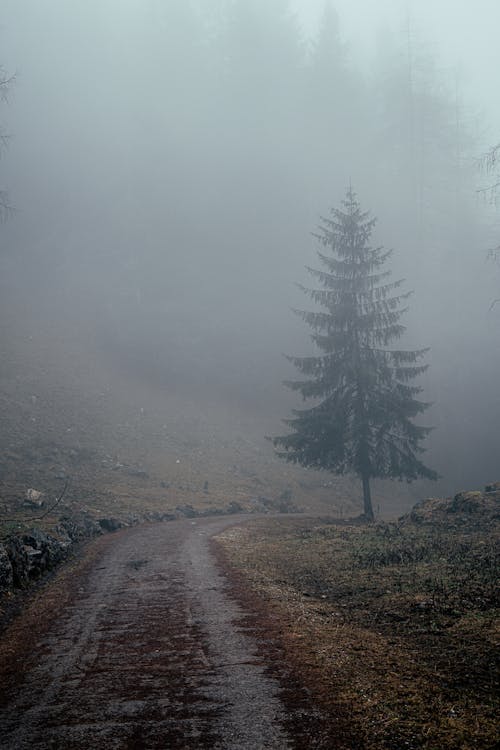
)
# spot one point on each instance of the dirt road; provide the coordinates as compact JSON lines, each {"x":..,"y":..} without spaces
{"x":145,"y":652}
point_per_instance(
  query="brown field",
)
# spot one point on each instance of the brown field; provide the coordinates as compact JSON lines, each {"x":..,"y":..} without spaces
{"x":393,"y":627}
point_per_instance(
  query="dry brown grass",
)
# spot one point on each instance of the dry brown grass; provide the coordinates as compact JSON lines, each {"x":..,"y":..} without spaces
{"x":395,"y":625}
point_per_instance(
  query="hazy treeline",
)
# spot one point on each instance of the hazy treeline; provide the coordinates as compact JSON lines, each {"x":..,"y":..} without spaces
{"x":172,"y":159}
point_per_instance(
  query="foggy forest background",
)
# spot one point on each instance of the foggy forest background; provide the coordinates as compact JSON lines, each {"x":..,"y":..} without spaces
{"x":168,"y":165}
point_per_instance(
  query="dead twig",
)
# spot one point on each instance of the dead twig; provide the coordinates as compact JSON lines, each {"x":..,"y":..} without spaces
{"x":59,"y":499}
{"x":46,"y":513}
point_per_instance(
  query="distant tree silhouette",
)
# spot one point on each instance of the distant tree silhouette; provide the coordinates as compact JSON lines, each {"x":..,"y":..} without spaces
{"x":5,"y":83}
{"x":490,"y":163}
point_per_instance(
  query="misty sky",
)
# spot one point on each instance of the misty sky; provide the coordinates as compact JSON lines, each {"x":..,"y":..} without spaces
{"x":169,"y":166}
{"x":464,"y":34}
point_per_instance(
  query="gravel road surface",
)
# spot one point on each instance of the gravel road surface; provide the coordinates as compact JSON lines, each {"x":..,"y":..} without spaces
{"x":145,"y":651}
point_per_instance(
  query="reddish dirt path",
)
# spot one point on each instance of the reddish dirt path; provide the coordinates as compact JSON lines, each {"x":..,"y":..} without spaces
{"x":145,"y":651}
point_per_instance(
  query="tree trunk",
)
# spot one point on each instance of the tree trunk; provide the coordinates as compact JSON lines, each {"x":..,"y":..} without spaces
{"x":367,"y":498}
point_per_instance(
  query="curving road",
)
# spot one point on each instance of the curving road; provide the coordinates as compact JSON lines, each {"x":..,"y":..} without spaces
{"x":145,"y":652}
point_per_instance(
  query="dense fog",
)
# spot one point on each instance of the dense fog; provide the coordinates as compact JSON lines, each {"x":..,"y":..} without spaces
{"x":169,"y":162}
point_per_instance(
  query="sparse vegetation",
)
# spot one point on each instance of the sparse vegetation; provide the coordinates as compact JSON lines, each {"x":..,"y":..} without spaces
{"x":395,"y":624}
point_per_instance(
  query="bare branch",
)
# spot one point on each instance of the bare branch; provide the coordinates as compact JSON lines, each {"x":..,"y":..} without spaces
{"x":59,"y":499}
{"x":488,"y":163}
{"x":52,"y":507}
{"x":5,"y":208}
{"x":5,"y":83}
{"x":490,"y":188}
{"x":489,"y":160}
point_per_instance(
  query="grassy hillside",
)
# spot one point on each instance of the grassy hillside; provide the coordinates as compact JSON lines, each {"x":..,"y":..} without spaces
{"x":130,"y":442}
{"x":134,"y":434}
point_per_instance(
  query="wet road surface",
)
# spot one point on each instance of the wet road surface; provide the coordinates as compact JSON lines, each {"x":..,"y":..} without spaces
{"x":147,"y":652}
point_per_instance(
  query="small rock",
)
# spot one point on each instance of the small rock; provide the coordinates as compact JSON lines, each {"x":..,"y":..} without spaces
{"x":33,"y":499}
{"x":32,"y":494}
{"x":78,"y":528}
{"x":134,"y":472}
{"x":110,"y":524}
{"x":494,"y":487}
{"x":19,"y":561}
{"x":234,"y":507}
{"x":187,"y":511}
{"x":467,"y":502}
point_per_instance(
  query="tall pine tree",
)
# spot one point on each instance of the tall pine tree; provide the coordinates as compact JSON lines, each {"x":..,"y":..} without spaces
{"x":362,"y":421}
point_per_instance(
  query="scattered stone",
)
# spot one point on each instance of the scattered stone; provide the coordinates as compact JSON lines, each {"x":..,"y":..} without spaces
{"x":494,"y":487}
{"x":234,"y":507}
{"x":467,"y":502}
{"x":168,"y":517}
{"x":43,"y":551}
{"x":78,"y":528}
{"x":131,"y":471}
{"x":265,"y":502}
{"x":280,"y":505}
{"x":32,"y":554}
{"x":187,"y":511}
{"x":18,"y":557}
{"x":34,"y":495}
{"x":110,"y":524}
{"x":465,"y":508}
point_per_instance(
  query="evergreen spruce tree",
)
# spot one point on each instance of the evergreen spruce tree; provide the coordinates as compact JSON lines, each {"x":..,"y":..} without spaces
{"x":362,"y":418}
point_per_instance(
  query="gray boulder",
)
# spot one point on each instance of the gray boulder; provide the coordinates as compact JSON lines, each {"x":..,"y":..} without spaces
{"x":79,"y":528}
{"x":44,"y":551}
{"x":32,"y":554}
